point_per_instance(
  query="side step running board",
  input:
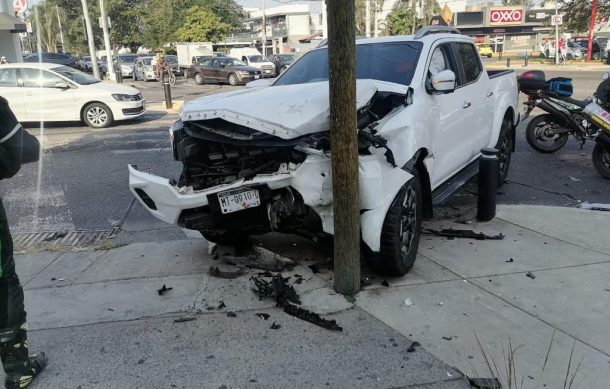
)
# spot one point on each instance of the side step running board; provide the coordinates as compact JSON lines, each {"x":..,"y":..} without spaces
{"x":446,"y":190}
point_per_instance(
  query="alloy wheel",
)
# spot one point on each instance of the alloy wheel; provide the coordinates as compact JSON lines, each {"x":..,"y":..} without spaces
{"x":97,"y":116}
{"x":408,"y":221}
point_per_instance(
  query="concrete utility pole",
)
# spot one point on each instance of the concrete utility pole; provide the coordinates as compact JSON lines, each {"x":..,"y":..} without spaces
{"x":107,"y":42}
{"x":367,"y":18}
{"x":96,"y":70}
{"x":264,"y":30}
{"x":324,"y":21}
{"x":61,"y":31}
{"x":591,"y":28}
{"x":344,"y":144}
{"x":376,"y":21}
{"x":556,"y":38}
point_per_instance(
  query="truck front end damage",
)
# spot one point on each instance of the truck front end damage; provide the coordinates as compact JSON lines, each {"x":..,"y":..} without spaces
{"x":246,"y":174}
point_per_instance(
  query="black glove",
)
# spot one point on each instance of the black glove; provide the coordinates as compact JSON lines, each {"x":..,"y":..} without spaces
{"x":17,"y":146}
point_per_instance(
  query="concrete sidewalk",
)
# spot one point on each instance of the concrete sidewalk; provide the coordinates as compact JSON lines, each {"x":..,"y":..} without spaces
{"x":99,"y":317}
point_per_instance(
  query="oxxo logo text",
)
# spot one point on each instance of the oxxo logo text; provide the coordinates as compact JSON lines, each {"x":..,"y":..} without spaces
{"x":506,"y":16}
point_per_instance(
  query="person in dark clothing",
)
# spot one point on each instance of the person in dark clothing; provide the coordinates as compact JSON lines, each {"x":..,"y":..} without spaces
{"x":16,"y":147}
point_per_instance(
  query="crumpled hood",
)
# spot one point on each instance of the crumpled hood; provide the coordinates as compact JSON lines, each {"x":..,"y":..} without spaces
{"x":286,"y":111}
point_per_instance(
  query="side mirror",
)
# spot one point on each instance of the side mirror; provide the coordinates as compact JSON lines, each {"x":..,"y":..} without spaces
{"x":62,"y":85}
{"x":443,"y":82}
{"x":605,"y":76}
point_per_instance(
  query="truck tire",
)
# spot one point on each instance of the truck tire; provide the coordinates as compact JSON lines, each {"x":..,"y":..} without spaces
{"x":505,"y":150}
{"x":401,"y":231}
{"x":199,"y":79}
{"x":601,"y":160}
{"x":229,"y":238}
{"x":537,"y":138}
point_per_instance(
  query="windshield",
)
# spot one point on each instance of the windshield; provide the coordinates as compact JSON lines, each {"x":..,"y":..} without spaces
{"x":147,"y":61}
{"x":171,"y":60}
{"x":257,"y":59}
{"x":128,"y":58}
{"x":75,"y":75}
{"x":392,"y":62}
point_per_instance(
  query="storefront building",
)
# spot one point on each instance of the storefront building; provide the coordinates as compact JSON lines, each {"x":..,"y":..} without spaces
{"x":507,"y":29}
{"x":10,"y":27}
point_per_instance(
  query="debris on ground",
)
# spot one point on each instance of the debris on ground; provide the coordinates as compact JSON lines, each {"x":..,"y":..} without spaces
{"x":185,"y":319}
{"x":465,"y":234}
{"x":413,"y":346}
{"x":263,"y":316}
{"x":315,"y":269}
{"x":275,"y":326}
{"x":258,"y":262}
{"x":231,"y":314}
{"x":594,"y":206}
{"x":385,"y":283}
{"x":447,"y":337}
{"x":530,"y":275}
{"x":286,"y":297}
{"x":215,"y":271}
{"x":221,"y":305}
{"x":463,"y":221}
{"x":510,"y":260}
{"x":485,"y":383}
{"x":163,"y":290}
{"x":441,"y":303}
{"x":408,"y":302}
{"x":55,"y":236}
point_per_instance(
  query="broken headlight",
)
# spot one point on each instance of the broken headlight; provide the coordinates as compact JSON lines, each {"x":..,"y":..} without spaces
{"x":178,"y":125}
{"x":317,"y":144}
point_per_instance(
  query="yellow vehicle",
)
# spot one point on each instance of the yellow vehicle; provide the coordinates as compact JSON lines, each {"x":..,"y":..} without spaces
{"x":485,"y":51}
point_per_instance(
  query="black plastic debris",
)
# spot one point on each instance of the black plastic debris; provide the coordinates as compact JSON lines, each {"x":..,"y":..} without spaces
{"x":464,"y":234}
{"x":163,"y":290}
{"x":530,"y":275}
{"x":510,"y":260}
{"x":413,"y":346}
{"x":221,"y":305}
{"x":231,"y":314}
{"x":315,"y":269}
{"x":55,"y":236}
{"x":311,"y":317}
{"x":258,"y":262}
{"x":485,"y":383}
{"x":298,"y":281}
{"x":263,"y":316}
{"x":275,"y":326}
{"x":447,"y":337}
{"x":385,"y":283}
{"x":214,"y":271}
{"x":185,"y":319}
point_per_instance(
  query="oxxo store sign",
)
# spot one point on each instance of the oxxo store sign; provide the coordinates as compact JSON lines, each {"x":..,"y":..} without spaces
{"x":502,"y":16}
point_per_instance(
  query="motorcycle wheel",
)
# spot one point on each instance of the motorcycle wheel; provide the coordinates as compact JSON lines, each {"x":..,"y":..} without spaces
{"x":601,"y":160}
{"x":539,"y":139}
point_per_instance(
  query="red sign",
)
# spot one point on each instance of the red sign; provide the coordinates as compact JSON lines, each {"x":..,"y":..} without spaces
{"x":20,"y":5}
{"x":506,"y":15}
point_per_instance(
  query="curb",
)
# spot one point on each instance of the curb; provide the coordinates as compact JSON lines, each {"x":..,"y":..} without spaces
{"x":160,"y":106}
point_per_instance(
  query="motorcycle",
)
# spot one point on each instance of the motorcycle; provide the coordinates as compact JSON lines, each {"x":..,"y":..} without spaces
{"x":601,"y":116}
{"x":548,"y":133}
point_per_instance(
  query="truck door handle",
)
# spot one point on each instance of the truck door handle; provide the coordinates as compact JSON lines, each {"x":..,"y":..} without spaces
{"x":490,"y":94}
{"x":466,"y":105}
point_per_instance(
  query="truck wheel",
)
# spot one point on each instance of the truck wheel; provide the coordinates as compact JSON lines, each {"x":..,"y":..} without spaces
{"x":233,"y":79}
{"x":505,"y":150}
{"x":97,"y":115}
{"x":540,"y":139}
{"x":601,"y":160}
{"x":230,"y":238}
{"x":199,"y":80}
{"x":401,"y":231}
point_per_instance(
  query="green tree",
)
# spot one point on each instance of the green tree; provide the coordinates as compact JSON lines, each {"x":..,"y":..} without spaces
{"x":361,"y":15}
{"x":228,"y":11}
{"x":201,"y":25}
{"x":525,"y":3}
{"x":126,"y":20}
{"x":577,"y":13}
{"x":400,"y":21}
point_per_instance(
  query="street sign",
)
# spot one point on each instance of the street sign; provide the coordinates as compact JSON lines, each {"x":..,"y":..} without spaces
{"x":20,"y":5}
{"x":556,"y":20}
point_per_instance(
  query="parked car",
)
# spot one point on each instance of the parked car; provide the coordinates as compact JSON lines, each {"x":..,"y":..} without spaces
{"x":485,"y":50}
{"x":124,"y":64}
{"x":144,"y":70}
{"x":199,"y":59}
{"x":281,"y":61}
{"x":50,"y":92}
{"x":85,"y":64}
{"x":172,"y":61}
{"x":56,"y":58}
{"x":258,"y":160}
{"x":223,"y":69}
{"x":583,"y":45}
{"x":252,"y":57}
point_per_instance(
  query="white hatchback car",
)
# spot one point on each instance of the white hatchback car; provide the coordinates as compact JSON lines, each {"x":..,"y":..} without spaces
{"x":50,"y":92}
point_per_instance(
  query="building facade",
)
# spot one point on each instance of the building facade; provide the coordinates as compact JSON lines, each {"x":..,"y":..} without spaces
{"x":10,"y":27}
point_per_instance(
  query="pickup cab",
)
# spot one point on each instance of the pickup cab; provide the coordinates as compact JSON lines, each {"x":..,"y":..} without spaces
{"x":259,"y":159}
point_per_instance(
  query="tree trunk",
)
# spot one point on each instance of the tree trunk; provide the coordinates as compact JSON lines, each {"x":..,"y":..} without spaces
{"x":344,"y":144}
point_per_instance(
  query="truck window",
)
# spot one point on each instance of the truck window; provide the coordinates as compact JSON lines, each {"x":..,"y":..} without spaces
{"x":469,"y":58}
{"x":392,"y":62}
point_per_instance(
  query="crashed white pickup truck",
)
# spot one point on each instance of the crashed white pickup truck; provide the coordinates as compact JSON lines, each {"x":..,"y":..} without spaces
{"x":259,"y":159}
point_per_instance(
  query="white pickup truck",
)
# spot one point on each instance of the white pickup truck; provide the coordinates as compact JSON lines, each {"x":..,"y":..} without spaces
{"x":259,"y":159}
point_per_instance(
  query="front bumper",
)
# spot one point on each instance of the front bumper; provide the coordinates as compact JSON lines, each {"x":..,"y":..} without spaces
{"x":244,"y":79}
{"x":311,"y":180}
{"x":123,"y":110}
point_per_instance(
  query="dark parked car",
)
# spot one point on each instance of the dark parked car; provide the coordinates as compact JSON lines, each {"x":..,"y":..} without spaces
{"x":223,"y":69}
{"x":583,"y":45}
{"x":58,"y":58}
{"x":281,"y":61}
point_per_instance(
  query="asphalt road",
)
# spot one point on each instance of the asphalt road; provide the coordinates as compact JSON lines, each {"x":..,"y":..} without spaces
{"x":82,"y":182}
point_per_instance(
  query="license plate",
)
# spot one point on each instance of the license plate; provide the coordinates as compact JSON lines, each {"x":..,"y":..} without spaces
{"x":257,"y":77}
{"x":267,"y":71}
{"x":238,"y":200}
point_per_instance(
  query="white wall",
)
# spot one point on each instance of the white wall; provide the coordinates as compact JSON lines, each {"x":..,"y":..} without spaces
{"x":10,"y":47}
{"x":298,"y":25}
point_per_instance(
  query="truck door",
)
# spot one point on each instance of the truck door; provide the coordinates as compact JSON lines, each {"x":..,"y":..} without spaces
{"x":481,"y":98}
{"x":451,"y":115}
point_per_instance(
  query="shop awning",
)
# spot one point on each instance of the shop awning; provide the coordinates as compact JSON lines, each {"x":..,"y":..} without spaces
{"x":11,"y":23}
